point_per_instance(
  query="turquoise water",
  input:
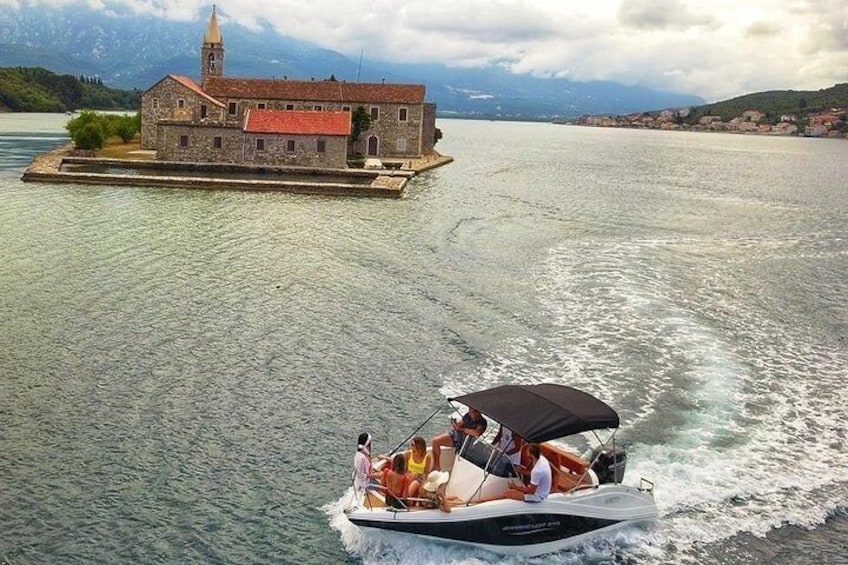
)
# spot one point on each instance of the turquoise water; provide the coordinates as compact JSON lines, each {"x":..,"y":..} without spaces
{"x":184,"y":373}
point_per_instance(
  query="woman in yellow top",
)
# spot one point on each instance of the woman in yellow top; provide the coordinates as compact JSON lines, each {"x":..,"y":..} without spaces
{"x":418,"y":464}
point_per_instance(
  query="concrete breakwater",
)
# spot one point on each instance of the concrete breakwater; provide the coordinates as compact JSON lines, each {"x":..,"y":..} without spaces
{"x":61,"y":166}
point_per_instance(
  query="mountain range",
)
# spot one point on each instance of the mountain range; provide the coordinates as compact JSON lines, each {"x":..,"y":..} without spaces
{"x":135,"y":52}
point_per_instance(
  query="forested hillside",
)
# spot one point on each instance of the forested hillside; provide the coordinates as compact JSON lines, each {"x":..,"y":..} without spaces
{"x":25,"y":89}
{"x":775,"y":103}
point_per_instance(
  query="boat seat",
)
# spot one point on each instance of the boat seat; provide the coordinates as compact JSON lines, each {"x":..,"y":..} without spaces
{"x":565,"y":481}
{"x":373,"y":499}
{"x":566,"y":468}
{"x":560,"y":457}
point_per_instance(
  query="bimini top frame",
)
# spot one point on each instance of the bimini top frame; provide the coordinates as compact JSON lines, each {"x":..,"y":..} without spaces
{"x":542,"y":412}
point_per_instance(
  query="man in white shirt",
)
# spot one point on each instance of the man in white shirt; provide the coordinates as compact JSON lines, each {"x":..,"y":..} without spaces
{"x":540,"y":479}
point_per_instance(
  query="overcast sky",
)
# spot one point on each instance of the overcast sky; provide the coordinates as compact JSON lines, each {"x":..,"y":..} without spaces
{"x":713,"y":48}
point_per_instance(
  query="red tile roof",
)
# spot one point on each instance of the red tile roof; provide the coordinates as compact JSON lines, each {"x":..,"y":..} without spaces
{"x":297,"y":123}
{"x":323,"y":90}
{"x":191,"y":85}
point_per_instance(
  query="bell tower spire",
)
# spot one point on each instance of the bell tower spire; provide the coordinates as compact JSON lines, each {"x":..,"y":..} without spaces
{"x":212,"y":53}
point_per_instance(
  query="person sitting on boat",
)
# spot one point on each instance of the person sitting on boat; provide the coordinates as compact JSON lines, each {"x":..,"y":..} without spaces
{"x":418,"y":464}
{"x":364,"y":475}
{"x":396,"y":482}
{"x":433,"y":491}
{"x":539,"y":486}
{"x":473,"y":424}
{"x":510,"y":443}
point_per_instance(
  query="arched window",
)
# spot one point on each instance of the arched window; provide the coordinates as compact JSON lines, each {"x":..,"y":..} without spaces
{"x":211,"y":65}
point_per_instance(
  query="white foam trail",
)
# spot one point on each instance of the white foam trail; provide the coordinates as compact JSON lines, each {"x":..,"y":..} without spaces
{"x":746,"y":412}
{"x":755,"y":442}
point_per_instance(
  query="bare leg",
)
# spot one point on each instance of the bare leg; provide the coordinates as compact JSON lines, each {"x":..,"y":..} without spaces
{"x":440,"y":441}
{"x":512,"y":493}
{"x":413,"y":489}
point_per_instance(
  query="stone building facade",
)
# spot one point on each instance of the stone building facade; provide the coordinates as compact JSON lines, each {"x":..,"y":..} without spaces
{"x":268,"y":137}
{"x":402,"y":123}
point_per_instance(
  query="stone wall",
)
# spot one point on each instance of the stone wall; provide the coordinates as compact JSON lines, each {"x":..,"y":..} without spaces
{"x":305,"y":154}
{"x":428,"y":131}
{"x":387,"y":128}
{"x":161,"y":102}
{"x":200,"y":147}
{"x":240,"y":147}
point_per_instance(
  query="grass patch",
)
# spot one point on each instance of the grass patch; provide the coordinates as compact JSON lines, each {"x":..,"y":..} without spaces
{"x":117,"y":149}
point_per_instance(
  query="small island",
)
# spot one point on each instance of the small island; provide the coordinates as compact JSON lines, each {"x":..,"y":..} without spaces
{"x":325,"y":136}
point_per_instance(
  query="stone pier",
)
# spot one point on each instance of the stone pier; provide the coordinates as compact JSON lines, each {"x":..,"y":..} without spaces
{"x":61,"y":166}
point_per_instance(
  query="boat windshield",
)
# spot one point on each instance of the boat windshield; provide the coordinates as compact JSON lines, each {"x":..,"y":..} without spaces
{"x":487,"y":457}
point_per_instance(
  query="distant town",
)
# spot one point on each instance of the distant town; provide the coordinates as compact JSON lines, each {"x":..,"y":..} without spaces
{"x":831,"y":123}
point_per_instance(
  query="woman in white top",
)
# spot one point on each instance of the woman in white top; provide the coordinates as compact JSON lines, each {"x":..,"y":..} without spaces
{"x":363,"y":472}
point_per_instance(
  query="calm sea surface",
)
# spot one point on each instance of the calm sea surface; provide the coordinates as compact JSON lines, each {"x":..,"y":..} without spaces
{"x":183,"y":374}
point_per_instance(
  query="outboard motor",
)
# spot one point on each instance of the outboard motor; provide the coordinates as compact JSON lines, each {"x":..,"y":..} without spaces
{"x":608,"y":463}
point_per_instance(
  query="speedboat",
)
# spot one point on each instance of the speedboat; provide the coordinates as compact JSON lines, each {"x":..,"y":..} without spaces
{"x":587,"y":495}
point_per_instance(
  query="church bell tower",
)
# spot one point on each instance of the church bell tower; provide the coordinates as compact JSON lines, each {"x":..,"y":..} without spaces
{"x":212,"y":53}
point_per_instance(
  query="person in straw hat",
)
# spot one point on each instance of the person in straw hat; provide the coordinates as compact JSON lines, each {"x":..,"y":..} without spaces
{"x":434,"y":488}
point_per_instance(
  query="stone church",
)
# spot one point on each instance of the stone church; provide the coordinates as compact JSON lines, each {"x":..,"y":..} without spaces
{"x":280,"y":122}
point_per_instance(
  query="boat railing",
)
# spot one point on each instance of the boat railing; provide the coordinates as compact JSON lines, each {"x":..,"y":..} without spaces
{"x":646,"y":486}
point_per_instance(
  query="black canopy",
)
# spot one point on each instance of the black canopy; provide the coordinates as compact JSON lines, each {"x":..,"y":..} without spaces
{"x":544,"y":411}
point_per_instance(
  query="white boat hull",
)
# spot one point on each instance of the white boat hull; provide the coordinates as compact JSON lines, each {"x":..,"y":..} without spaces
{"x":520,"y":528}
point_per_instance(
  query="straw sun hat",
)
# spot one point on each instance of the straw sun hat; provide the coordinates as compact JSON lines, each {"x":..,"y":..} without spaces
{"x":435,"y":479}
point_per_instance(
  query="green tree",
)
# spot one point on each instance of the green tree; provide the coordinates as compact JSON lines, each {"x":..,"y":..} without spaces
{"x":437,"y":135}
{"x":361,"y":121}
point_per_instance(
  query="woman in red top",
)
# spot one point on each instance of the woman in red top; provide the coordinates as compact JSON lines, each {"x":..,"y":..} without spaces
{"x":396,"y":482}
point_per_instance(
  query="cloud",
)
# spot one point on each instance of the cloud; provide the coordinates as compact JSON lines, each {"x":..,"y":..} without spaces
{"x":662,"y":14}
{"x":714,"y":48}
{"x":763,"y":29}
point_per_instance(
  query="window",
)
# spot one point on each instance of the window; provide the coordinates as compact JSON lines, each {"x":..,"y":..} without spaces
{"x":183,"y":141}
{"x":204,"y":110}
{"x":180,"y":102}
{"x":232,"y":108}
{"x":375,"y":113}
{"x":401,"y":144}
{"x":289,"y":107}
{"x":402,"y":114}
{"x":322,"y":146}
{"x":216,"y":142}
{"x":318,"y":107}
{"x":260,"y":105}
{"x":155,"y":103}
{"x":290,"y":146}
{"x":260,"y":144}
{"x":345,"y":108}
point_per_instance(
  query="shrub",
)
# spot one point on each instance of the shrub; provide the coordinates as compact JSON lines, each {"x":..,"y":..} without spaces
{"x":89,"y":136}
{"x":125,"y":127}
{"x":88,"y":130}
